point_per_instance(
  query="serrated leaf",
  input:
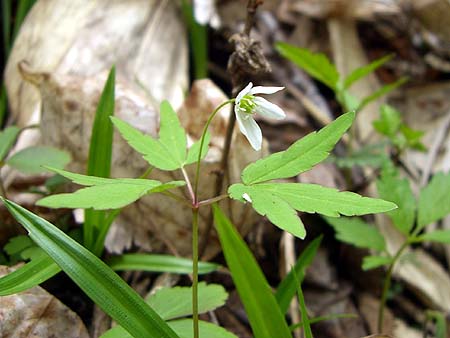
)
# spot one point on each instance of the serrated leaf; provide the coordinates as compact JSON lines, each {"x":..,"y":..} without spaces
{"x":361,"y":72}
{"x":299,"y":157}
{"x":315,"y":64}
{"x":192,"y":156}
{"x":277,"y":210}
{"x":166,"y":153}
{"x":183,"y":328}
{"x":392,"y":188}
{"x":441,"y":236}
{"x":373,"y":262}
{"x":176,"y":302}
{"x":260,"y":304}
{"x":172,"y":134}
{"x":33,"y":273}
{"x":278,"y":201}
{"x":389,"y":122}
{"x":434,"y":201}
{"x":382,"y":91}
{"x":158,"y":263}
{"x":17,"y":244}
{"x":33,"y":159}
{"x":82,"y":179}
{"x":93,"y":276}
{"x":288,"y":286}
{"x":7,"y":139}
{"x":357,"y":232}
{"x":121,"y":192}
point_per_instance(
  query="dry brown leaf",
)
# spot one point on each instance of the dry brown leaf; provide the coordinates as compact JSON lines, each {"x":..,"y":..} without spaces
{"x":37,"y":314}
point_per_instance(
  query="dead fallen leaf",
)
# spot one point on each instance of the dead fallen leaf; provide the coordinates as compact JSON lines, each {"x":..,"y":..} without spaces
{"x":37,"y":314}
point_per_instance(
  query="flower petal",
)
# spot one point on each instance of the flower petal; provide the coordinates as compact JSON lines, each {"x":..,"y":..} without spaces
{"x":265,"y":90}
{"x":243,"y":92}
{"x":268,"y":109}
{"x":250,"y":129}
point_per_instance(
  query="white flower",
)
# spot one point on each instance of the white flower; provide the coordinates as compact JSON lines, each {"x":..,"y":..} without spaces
{"x":247,"y":104}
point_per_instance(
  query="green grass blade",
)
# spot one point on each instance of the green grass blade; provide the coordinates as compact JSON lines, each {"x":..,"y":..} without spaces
{"x":303,"y":310}
{"x":35,"y":272}
{"x":94,"y":277}
{"x":100,"y":153}
{"x":6,"y":22}
{"x":324,"y":318}
{"x":287,"y":288}
{"x":260,"y":304}
{"x":158,"y":263}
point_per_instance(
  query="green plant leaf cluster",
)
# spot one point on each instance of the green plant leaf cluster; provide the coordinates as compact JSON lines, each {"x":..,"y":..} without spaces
{"x":390,"y":124}
{"x":318,"y":66}
{"x":279,"y":202}
{"x":169,"y":151}
{"x":409,"y":218}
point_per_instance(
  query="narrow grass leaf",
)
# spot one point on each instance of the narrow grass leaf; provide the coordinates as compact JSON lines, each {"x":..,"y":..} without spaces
{"x":33,"y":159}
{"x":434,"y":201}
{"x":303,"y":310}
{"x":361,"y":72}
{"x":158,"y":263}
{"x":260,"y":304}
{"x":315,"y":64}
{"x":325,"y":318}
{"x":176,"y":302}
{"x":373,"y":262}
{"x":301,"y":156}
{"x":94,"y":277}
{"x":287,"y":288}
{"x":357,"y":232}
{"x":33,"y":273}
{"x":7,"y":139}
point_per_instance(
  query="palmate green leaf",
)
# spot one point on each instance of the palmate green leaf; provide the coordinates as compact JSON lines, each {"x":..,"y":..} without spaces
{"x":182,"y":327}
{"x":7,"y":139}
{"x":33,"y":159}
{"x":176,"y":302}
{"x":392,"y":188}
{"x":372,"y":262}
{"x":279,"y":202}
{"x":17,"y":244}
{"x":121,"y":192}
{"x":361,"y":72}
{"x":94,"y":277}
{"x":301,"y":156}
{"x":38,"y":270}
{"x":389,"y":122}
{"x":169,"y":151}
{"x":357,"y":232}
{"x":315,"y":64}
{"x":266,"y":319}
{"x":158,"y":263}
{"x":288,"y":286}
{"x":441,"y":236}
{"x":434,"y":201}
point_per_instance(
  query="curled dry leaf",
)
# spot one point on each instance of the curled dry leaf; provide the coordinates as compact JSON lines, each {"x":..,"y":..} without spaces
{"x":146,"y":41}
{"x":37,"y":314}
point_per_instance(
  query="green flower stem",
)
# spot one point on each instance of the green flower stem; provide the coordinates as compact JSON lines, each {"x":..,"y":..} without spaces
{"x":205,"y":129}
{"x":195,"y":271}
{"x":387,"y":284}
{"x":210,"y":201}
{"x":195,"y":206}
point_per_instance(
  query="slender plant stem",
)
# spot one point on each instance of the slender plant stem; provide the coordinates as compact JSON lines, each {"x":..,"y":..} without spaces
{"x":212,"y":200}
{"x":189,"y":185}
{"x":195,"y":271}
{"x":202,"y":141}
{"x":387,"y":285}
